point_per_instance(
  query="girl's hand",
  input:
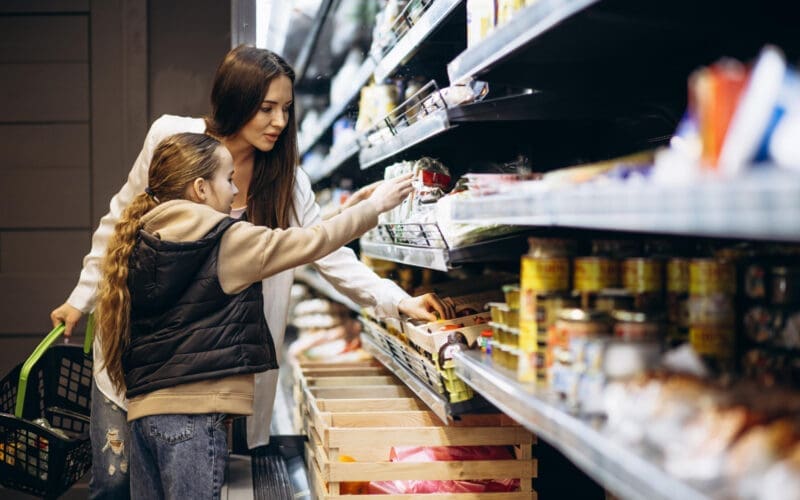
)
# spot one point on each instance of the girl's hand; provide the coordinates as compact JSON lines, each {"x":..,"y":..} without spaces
{"x":391,"y":192}
{"x":422,"y":307}
{"x":66,"y":314}
{"x":360,"y":195}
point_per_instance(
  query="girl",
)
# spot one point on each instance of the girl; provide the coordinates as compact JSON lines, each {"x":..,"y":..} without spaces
{"x":253,"y":116}
{"x":180,"y":317}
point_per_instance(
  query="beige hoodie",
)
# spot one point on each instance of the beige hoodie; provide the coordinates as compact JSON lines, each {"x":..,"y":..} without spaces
{"x":247,"y":254}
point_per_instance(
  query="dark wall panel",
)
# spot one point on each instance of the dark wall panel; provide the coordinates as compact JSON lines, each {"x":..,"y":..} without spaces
{"x":44,"y":92}
{"x":28,"y":39}
{"x":33,"y":146}
{"x":43,"y":6}
{"x":44,"y":198}
{"x":42,"y":251}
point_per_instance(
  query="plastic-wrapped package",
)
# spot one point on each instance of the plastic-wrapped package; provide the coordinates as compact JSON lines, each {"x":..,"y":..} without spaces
{"x":443,"y":454}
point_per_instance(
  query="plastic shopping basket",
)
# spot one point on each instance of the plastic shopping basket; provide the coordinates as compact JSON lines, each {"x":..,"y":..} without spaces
{"x":55,"y":384}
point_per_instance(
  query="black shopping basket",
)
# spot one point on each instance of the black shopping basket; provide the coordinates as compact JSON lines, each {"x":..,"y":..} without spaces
{"x":46,"y":457}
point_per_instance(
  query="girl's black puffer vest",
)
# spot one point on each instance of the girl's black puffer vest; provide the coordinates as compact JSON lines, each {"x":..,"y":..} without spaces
{"x":184,"y":327}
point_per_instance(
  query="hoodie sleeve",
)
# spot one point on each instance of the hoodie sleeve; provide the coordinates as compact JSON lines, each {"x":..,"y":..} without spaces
{"x":249,"y":253}
{"x":342,"y":269}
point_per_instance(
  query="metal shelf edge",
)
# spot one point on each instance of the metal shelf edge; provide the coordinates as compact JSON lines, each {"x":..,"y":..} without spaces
{"x":757,"y":211}
{"x":407,"y":45}
{"x":435,"y":402}
{"x":611,"y":463}
{"x":432,"y":258}
{"x":319,"y":284}
{"x":525,"y":26}
{"x":429,"y":126}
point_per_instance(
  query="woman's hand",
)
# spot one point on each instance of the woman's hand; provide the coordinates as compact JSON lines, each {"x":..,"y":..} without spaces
{"x":66,"y":314}
{"x":391,"y":192}
{"x":422,"y":307}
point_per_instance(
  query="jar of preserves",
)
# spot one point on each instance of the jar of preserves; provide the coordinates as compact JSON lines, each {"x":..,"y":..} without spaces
{"x":637,"y":326}
{"x":572,"y":324}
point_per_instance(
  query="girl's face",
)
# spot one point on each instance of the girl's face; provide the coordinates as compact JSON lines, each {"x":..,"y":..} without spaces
{"x":221,"y":189}
{"x":263,"y":130}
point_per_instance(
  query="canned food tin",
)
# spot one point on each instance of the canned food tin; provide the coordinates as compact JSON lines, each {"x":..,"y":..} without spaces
{"x":544,"y":274}
{"x":592,"y":274}
{"x":678,"y":276}
{"x":642,"y":275}
{"x":711,"y":276}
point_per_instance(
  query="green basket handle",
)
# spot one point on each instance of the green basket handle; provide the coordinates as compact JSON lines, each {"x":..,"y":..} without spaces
{"x":39,"y":352}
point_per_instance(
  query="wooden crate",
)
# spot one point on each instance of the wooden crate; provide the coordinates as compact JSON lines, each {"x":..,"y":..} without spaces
{"x":367,"y":432}
{"x":329,"y":375}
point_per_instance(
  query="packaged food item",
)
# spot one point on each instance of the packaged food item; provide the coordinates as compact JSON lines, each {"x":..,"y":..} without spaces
{"x":643,"y":277}
{"x":593,"y":274}
{"x":511,"y":293}
{"x":481,"y":20}
{"x":677,"y":295}
{"x":571,"y":324}
{"x":507,"y":8}
{"x":711,"y":276}
{"x":634,"y":325}
{"x":785,"y":285}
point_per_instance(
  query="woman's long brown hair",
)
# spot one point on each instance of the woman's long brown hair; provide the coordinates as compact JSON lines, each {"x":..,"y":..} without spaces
{"x":177,"y":162}
{"x":240,"y":84}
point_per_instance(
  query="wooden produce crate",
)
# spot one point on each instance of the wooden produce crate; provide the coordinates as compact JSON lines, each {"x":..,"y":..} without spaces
{"x":316,"y":374}
{"x":368,"y":432}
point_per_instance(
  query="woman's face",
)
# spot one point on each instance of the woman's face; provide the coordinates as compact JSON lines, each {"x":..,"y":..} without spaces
{"x":263,"y":130}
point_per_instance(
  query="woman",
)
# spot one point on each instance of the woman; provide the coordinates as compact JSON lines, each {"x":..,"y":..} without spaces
{"x":253,"y":116}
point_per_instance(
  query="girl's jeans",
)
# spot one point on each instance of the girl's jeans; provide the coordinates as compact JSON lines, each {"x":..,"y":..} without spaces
{"x":110,"y":435}
{"x":178,"y":456}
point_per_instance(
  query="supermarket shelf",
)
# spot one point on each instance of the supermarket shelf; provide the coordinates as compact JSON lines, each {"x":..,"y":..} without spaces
{"x":518,"y":32}
{"x":442,"y":259}
{"x":432,"y":258}
{"x":420,"y":131}
{"x":336,"y":110}
{"x":625,"y":472}
{"x":334,"y":161}
{"x":438,"y":404}
{"x":760,"y":206}
{"x":407,"y":46}
{"x":318,"y":283}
